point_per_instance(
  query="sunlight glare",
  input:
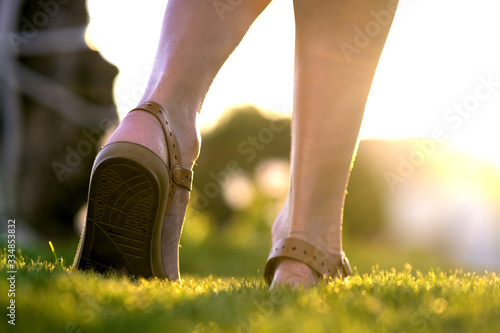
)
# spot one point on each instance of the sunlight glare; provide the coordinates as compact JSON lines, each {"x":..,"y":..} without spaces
{"x":432,"y":60}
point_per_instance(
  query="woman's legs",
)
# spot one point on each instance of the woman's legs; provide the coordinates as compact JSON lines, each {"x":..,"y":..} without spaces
{"x":330,"y":93}
{"x":197,"y":37}
{"x":334,"y":67}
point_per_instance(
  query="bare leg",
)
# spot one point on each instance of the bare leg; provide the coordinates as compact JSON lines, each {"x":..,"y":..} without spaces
{"x":196,"y":40}
{"x":331,"y":89}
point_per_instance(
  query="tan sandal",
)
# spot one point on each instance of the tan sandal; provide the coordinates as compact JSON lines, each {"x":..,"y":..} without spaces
{"x":131,"y":190}
{"x":320,"y":262}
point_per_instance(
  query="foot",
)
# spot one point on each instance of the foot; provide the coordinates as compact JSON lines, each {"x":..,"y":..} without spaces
{"x":293,"y":273}
{"x":143,"y":128}
{"x":305,"y":237}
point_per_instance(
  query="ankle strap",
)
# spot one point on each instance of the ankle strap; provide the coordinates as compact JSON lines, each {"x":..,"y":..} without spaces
{"x":322,"y":263}
{"x":181,"y":176}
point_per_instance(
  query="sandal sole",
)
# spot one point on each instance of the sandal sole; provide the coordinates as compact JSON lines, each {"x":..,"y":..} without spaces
{"x":125,"y":213}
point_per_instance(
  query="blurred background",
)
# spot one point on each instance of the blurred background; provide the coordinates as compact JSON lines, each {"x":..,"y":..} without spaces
{"x":425,"y":188}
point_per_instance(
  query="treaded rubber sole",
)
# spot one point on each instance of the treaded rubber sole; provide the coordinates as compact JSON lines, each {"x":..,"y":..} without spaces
{"x":124,"y":219}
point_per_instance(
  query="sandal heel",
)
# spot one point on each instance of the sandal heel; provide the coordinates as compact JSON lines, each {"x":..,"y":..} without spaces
{"x":125,"y":212}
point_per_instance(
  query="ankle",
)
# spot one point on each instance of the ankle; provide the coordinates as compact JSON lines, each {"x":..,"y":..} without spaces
{"x":188,"y":137}
{"x":281,"y":225}
{"x":182,"y":118}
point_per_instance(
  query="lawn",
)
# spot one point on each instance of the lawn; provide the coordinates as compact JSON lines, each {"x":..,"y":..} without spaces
{"x":50,"y":297}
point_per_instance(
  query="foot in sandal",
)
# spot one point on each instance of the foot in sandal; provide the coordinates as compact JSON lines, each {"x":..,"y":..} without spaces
{"x":297,"y":262}
{"x":137,"y":198}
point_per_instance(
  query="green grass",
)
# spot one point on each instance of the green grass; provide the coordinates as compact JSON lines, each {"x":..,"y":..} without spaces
{"x":50,"y":297}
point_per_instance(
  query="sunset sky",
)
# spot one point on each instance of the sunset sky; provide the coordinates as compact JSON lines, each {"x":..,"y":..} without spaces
{"x":438,"y":57}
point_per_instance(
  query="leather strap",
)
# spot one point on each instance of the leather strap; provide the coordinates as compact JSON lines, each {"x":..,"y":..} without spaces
{"x":181,"y":176}
{"x":322,"y":263}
